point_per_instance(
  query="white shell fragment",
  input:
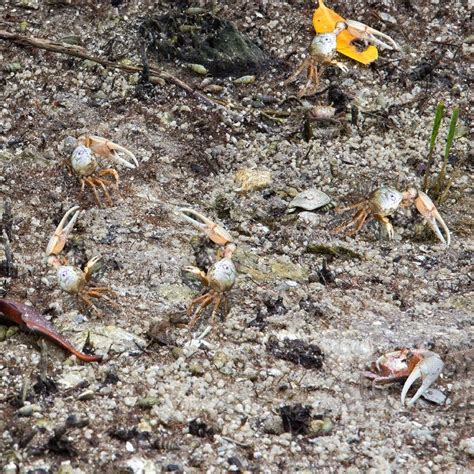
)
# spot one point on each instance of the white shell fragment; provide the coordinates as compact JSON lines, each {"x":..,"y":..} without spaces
{"x":309,"y":200}
{"x":435,"y":395}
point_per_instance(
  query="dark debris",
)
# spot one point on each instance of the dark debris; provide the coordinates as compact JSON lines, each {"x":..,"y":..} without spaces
{"x":296,"y":418}
{"x":297,"y":351}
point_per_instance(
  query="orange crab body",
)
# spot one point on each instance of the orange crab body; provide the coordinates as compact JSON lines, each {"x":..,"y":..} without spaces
{"x":394,"y":366}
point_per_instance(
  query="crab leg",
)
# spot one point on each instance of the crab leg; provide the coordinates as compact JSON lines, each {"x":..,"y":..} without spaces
{"x":361,"y":31}
{"x":429,"y":369}
{"x":298,"y":71}
{"x":58,"y":240}
{"x":214,"y":231}
{"x":203,"y":302}
{"x":428,"y":210}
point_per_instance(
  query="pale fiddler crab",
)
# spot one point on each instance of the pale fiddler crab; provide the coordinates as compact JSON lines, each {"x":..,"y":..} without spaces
{"x":72,"y":279}
{"x":411,"y":364}
{"x":221,"y":276}
{"x":323,"y":48}
{"x":84,"y":162}
{"x":384,"y":201}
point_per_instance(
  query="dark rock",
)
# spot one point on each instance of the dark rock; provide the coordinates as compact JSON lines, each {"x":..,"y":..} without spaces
{"x":297,"y":351}
{"x":203,"y":39}
{"x":199,"y":428}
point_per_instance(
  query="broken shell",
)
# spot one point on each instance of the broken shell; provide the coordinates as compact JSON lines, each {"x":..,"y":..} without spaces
{"x":198,"y":69}
{"x":244,"y":80}
{"x":12,"y":67}
{"x":322,"y":112}
{"x":252,"y":179}
{"x":310,"y":200}
{"x":213,"y":88}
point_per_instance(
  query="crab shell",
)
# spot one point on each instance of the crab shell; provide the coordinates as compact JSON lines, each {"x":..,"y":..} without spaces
{"x":83,"y":161}
{"x":385,"y":201}
{"x":222,"y":275}
{"x":323,"y":46}
{"x":309,"y":200}
{"x":71,"y":279}
{"x":397,"y":365}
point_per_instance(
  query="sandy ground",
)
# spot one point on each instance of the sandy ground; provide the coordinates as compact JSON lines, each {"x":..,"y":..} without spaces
{"x":163,"y":400}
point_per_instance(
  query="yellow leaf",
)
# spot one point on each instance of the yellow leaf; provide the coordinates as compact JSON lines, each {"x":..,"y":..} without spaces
{"x":324,"y":21}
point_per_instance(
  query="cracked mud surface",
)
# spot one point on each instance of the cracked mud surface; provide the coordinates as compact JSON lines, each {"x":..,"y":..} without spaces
{"x":161,"y":402}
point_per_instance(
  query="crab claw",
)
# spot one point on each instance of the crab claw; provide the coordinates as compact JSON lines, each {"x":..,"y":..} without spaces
{"x":91,"y":266}
{"x":214,"y":231}
{"x":197,"y":273}
{"x":428,"y":210}
{"x":103,"y":147}
{"x":429,"y":369}
{"x":58,"y":240}
{"x":361,"y":31}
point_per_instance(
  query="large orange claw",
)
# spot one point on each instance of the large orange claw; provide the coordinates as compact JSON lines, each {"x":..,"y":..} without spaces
{"x":324,"y":21}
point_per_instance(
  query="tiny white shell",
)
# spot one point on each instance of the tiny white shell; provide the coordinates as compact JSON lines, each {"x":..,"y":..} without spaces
{"x":309,"y":200}
{"x":83,"y":161}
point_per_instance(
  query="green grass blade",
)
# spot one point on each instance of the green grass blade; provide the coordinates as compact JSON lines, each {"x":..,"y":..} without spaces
{"x":434,"y":135}
{"x":452,"y":131}
{"x":440,"y":182}
{"x":436,"y":124}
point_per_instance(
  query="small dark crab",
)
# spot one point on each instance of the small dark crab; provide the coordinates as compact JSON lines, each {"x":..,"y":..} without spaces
{"x":221,"y":276}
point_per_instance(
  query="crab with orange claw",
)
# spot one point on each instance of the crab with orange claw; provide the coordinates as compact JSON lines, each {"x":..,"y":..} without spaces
{"x":72,"y":279}
{"x":411,"y":364}
{"x":84,"y":162}
{"x":334,"y":34}
{"x":221,"y":276}
{"x":321,"y":52}
{"x":384,"y":201}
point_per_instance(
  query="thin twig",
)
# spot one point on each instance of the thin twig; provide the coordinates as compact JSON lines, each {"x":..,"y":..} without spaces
{"x":156,"y":76}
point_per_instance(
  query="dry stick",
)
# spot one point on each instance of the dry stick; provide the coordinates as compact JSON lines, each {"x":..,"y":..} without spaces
{"x":156,"y":76}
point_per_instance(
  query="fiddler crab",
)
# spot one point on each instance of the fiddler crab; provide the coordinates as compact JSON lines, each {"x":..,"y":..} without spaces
{"x":221,"y":276}
{"x":411,"y":364}
{"x":72,"y":279}
{"x":84,"y":162}
{"x":384,"y":201}
{"x":336,"y":34}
